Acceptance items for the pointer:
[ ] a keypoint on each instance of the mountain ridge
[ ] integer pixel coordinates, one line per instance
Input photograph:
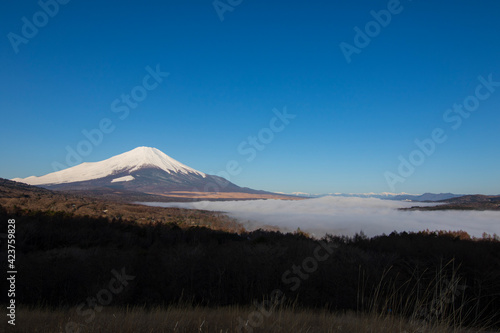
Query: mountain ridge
(426, 197)
(145, 170)
(130, 161)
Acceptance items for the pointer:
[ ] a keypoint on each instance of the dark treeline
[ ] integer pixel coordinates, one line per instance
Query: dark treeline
(62, 260)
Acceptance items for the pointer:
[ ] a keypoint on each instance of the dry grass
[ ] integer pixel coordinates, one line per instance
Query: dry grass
(441, 306)
(185, 319)
(226, 195)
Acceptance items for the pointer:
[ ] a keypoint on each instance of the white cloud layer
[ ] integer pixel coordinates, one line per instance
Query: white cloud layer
(346, 216)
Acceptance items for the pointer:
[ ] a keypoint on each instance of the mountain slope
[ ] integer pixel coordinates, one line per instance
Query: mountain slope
(134, 160)
(21, 199)
(466, 202)
(144, 170)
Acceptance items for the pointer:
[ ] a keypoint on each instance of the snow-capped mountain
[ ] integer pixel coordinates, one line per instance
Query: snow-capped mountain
(387, 196)
(142, 169)
(402, 196)
(134, 160)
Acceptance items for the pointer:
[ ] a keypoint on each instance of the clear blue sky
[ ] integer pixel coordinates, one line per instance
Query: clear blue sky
(353, 120)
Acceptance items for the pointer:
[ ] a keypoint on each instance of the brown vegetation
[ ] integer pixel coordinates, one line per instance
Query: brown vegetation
(22, 198)
(64, 259)
(466, 202)
(197, 278)
(221, 319)
(228, 195)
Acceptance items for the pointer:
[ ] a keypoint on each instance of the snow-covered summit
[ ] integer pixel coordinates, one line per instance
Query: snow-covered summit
(136, 159)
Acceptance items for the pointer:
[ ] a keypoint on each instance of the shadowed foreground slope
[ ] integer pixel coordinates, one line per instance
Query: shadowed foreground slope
(64, 260)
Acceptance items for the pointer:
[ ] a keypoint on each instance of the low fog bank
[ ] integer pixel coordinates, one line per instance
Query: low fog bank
(346, 216)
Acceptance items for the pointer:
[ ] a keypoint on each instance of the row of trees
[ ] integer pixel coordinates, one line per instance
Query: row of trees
(64, 259)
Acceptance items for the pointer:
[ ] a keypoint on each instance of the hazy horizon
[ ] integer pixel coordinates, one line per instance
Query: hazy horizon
(346, 216)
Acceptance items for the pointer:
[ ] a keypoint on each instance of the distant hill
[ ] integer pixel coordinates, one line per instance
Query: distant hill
(466, 202)
(19, 198)
(476, 198)
(389, 196)
(426, 197)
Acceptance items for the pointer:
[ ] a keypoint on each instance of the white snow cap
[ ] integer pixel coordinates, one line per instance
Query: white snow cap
(123, 179)
(130, 161)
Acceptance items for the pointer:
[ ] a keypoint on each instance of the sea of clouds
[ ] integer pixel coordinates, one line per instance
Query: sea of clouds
(346, 216)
